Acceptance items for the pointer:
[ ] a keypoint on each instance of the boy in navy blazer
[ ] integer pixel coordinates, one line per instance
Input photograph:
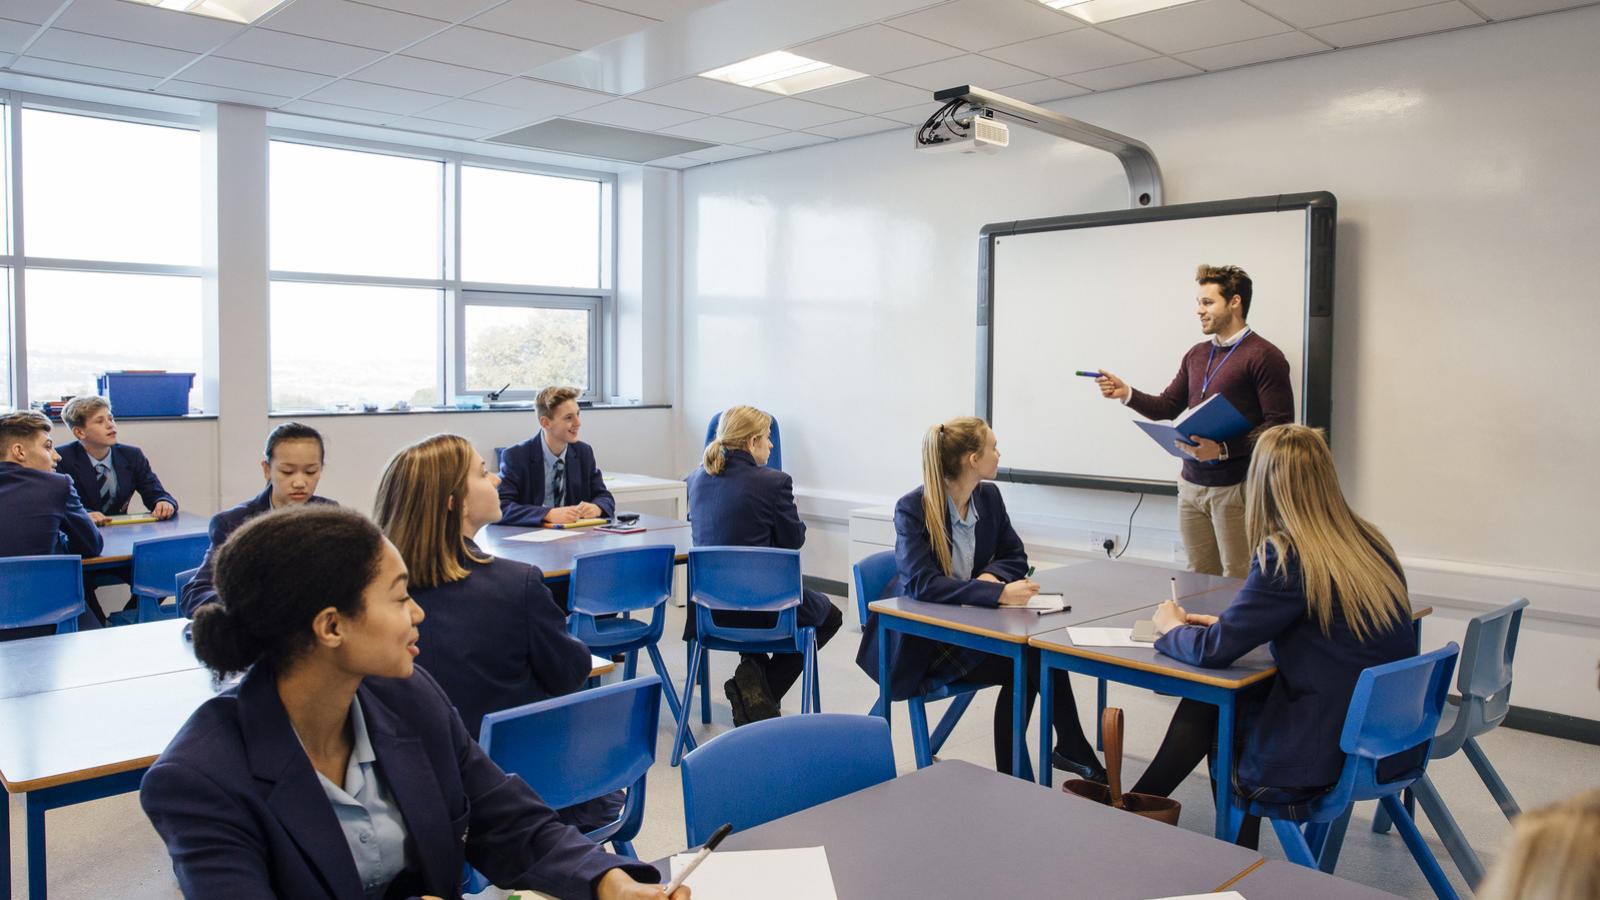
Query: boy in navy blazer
(42, 512)
(105, 472)
(551, 478)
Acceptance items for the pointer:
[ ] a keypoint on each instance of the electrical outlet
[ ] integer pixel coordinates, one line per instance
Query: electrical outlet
(1097, 541)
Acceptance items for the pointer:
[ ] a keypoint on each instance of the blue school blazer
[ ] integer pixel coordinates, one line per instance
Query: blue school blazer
(997, 551)
(202, 588)
(243, 815)
(522, 482)
(1292, 739)
(496, 639)
(43, 515)
(133, 474)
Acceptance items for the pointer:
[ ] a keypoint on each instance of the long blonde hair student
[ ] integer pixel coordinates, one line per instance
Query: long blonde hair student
(738, 426)
(415, 509)
(945, 449)
(1554, 854)
(1294, 505)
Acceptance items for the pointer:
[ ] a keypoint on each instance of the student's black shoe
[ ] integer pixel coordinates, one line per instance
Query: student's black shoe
(754, 690)
(1087, 771)
(741, 716)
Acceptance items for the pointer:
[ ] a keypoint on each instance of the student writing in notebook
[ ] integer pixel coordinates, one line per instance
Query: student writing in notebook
(292, 466)
(551, 478)
(105, 471)
(337, 769)
(1253, 375)
(954, 544)
(1327, 595)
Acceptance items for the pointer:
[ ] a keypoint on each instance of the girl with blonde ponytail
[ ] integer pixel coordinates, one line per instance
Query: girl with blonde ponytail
(954, 544)
(736, 500)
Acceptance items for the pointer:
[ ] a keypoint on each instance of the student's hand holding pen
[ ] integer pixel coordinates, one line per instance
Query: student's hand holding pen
(1018, 593)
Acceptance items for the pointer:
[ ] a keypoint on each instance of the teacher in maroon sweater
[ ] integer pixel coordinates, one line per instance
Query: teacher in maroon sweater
(1253, 374)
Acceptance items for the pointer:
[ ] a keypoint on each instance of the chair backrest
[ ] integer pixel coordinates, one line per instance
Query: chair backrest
(872, 577)
(41, 590)
(157, 561)
(771, 768)
(182, 579)
(582, 746)
(746, 579)
(775, 461)
(1485, 680)
(619, 581)
(1395, 707)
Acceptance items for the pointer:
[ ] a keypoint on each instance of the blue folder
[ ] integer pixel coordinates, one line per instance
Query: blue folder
(1215, 420)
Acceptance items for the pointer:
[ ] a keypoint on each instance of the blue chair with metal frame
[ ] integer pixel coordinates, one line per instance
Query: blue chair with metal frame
(745, 579)
(156, 564)
(1395, 707)
(775, 767)
(41, 590)
(873, 576)
(615, 583)
(775, 461)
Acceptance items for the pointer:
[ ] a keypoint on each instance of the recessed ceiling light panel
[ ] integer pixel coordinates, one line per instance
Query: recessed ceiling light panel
(241, 11)
(782, 72)
(1096, 11)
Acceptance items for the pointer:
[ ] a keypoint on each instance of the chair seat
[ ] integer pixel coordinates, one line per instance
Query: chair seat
(788, 645)
(617, 632)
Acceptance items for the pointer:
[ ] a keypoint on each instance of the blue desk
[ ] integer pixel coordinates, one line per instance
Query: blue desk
(118, 540)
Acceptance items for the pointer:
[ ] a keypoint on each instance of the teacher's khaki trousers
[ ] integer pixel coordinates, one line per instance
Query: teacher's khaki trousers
(1211, 520)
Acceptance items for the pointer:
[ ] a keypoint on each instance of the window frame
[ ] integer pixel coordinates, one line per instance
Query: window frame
(593, 304)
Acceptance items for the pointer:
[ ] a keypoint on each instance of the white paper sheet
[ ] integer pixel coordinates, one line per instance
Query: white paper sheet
(1048, 602)
(1103, 637)
(1220, 895)
(540, 535)
(798, 874)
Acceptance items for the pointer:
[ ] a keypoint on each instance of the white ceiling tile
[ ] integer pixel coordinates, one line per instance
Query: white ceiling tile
(217, 94)
(981, 24)
(1409, 22)
(87, 74)
(1074, 51)
(1043, 91)
(869, 95)
(380, 97)
(480, 115)
(569, 23)
(791, 113)
(291, 51)
(876, 49)
(704, 95)
(5, 60)
(14, 34)
(552, 99)
(634, 114)
(787, 141)
(1511, 9)
(338, 113)
(351, 23)
(249, 76)
(913, 115)
(718, 154)
(1129, 74)
(1194, 25)
(105, 53)
(665, 10)
(1244, 53)
(145, 24)
(722, 130)
(448, 10)
(490, 50)
(853, 127)
(1305, 13)
(427, 75)
(431, 126)
(34, 11)
(676, 162)
(979, 71)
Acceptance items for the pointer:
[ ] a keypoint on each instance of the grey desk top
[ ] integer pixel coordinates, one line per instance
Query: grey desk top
(554, 558)
(1279, 880)
(62, 661)
(958, 830)
(119, 539)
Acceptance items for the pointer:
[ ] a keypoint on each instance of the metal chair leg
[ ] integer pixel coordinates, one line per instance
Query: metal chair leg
(1491, 778)
(1461, 852)
(947, 722)
(695, 657)
(1328, 854)
(1294, 843)
(918, 709)
(1419, 849)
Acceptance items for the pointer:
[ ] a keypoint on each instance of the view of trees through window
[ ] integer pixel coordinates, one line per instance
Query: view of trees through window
(526, 348)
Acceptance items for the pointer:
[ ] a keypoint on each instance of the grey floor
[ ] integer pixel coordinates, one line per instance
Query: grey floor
(107, 848)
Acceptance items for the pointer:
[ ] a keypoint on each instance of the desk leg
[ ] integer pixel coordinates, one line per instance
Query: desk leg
(1019, 721)
(5, 847)
(36, 857)
(1046, 725)
(883, 669)
(1229, 818)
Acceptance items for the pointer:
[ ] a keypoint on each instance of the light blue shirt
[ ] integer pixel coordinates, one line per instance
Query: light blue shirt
(963, 538)
(550, 469)
(111, 475)
(372, 824)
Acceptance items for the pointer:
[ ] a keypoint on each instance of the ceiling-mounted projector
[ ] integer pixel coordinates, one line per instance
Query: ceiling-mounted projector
(975, 132)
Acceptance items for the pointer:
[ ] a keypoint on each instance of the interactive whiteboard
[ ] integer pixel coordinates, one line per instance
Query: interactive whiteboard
(1116, 290)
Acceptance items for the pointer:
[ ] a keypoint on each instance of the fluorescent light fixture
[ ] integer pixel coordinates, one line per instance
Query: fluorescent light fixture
(782, 72)
(241, 11)
(1097, 11)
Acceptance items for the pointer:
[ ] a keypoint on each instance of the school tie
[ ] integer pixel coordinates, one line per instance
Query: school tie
(102, 476)
(559, 489)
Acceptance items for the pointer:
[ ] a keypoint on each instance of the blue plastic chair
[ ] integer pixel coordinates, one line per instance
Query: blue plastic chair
(156, 564)
(872, 577)
(1484, 683)
(769, 769)
(775, 461)
(182, 579)
(615, 583)
(41, 590)
(1395, 707)
(745, 579)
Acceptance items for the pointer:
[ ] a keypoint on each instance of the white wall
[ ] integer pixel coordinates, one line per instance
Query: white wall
(835, 286)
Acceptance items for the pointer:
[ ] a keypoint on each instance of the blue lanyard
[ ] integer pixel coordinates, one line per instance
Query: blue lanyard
(1210, 355)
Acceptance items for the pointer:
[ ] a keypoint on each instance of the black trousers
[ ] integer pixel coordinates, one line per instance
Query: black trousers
(1070, 741)
(1190, 738)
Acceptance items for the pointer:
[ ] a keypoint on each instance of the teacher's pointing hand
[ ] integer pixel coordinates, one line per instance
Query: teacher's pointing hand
(1113, 387)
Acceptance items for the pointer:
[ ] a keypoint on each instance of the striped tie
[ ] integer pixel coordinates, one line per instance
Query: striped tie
(560, 487)
(102, 477)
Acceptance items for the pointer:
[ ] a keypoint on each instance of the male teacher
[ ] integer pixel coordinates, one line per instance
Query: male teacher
(1253, 375)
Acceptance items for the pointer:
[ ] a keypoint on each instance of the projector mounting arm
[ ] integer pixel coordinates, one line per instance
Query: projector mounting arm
(1144, 174)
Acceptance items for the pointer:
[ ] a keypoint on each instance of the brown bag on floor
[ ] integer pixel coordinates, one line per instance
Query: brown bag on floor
(1162, 809)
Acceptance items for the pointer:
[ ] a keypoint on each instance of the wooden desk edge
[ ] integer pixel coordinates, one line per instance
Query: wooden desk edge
(1153, 667)
(50, 781)
(1235, 879)
(953, 626)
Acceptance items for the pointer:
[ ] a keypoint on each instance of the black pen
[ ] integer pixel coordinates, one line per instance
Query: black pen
(1046, 612)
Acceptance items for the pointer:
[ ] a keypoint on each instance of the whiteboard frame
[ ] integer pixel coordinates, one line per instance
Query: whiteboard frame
(1316, 394)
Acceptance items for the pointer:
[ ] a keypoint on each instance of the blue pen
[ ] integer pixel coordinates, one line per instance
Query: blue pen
(1082, 374)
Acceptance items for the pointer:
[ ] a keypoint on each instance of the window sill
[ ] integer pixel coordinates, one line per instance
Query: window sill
(431, 411)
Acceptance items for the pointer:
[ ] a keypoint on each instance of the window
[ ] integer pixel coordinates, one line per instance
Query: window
(353, 344)
(511, 344)
(83, 323)
(519, 228)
